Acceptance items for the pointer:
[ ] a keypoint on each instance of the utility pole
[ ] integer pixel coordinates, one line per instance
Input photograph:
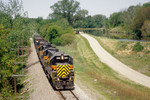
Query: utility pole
(22, 49)
(18, 51)
(15, 86)
(15, 63)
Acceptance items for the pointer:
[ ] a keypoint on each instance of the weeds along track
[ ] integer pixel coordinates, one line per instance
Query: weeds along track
(67, 95)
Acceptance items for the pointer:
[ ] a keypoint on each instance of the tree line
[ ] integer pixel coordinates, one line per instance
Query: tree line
(133, 22)
(15, 30)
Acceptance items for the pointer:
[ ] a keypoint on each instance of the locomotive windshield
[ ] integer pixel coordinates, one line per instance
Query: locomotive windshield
(58, 60)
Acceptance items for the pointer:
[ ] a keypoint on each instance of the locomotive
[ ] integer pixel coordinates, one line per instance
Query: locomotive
(57, 65)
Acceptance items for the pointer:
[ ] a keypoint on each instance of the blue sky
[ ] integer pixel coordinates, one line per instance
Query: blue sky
(41, 8)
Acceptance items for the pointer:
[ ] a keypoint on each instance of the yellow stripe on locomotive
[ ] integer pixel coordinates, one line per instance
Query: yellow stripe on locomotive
(63, 70)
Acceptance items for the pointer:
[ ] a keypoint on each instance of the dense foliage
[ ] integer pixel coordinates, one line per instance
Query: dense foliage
(138, 47)
(134, 21)
(146, 29)
(55, 32)
(15, 30)
(66, 9)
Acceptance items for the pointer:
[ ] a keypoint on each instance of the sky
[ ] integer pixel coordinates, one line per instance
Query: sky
(41, 8)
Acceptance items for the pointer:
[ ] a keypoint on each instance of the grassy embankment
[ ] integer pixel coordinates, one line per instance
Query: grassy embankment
(134, 54)
(99, 77)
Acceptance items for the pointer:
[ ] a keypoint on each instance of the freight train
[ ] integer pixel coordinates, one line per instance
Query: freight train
(57, 65)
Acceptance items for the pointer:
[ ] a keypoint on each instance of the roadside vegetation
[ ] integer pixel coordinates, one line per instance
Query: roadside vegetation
(15, 31)
(58, 32)
(97, 76)
(132, 53)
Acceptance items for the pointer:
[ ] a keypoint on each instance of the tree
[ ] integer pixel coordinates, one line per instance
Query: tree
(81, 14)
(13, 28)
(146, 29)
(115, 19)
(14, 9)
(80, 18)
(99, 20)
(53, 32)
(141, 16)
(146, 4)
(128, 16)
(66, 9)
(5, 20)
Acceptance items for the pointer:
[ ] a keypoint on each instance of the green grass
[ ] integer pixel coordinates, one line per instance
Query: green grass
(99, 77)
(138, 58)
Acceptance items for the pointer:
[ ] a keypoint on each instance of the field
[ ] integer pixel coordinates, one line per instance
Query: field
(99, 78)
(134, 54)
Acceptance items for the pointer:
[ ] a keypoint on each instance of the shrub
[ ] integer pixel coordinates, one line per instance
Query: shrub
(121, 45)
(57, 41)
(146, 29)
(53, 31)
(67, 38)
(137, 47)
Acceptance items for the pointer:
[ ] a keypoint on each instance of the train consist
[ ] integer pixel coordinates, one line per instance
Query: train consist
(57, 65)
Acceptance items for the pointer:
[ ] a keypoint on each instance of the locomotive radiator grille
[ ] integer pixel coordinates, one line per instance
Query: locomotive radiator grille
(63, 70)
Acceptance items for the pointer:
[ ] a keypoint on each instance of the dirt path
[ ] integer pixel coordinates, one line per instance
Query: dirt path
(115, 64)
(39, 84)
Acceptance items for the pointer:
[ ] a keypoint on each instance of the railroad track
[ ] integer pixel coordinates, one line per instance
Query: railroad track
(68, 95)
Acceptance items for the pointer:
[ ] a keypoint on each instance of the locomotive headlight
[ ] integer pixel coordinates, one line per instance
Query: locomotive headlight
(62, 57)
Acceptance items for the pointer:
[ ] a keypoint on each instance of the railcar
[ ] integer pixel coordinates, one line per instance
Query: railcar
(46, 55)
(37, 39)
(42, 48)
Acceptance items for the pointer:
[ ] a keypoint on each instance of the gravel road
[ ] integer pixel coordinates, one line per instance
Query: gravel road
(39, 84)
(115, 64)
